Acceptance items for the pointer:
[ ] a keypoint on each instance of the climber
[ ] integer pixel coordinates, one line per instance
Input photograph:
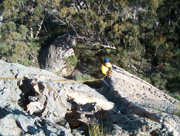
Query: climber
(106, 68)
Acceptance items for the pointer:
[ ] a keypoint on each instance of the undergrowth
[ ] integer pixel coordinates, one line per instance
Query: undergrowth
(96, 130)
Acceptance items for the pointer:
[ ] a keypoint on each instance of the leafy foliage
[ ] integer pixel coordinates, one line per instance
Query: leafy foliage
(96, 130)
(141, 36)
(71, 62)
(83, 77)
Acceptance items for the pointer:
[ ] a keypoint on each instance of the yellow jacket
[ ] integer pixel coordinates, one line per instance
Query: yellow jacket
(105, 69)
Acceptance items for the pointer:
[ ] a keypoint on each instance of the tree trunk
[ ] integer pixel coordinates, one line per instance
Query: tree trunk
(31, 32)
(40, 26)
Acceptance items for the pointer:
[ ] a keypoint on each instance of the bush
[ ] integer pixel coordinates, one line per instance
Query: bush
(84, 77)
(95, 130)
(176, 95)
(158, 80)
(71, 62)
(14, 46)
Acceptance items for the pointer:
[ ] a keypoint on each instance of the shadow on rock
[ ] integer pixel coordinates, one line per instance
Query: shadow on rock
(30, 94)
(123, 104)
(80, 116)
(27, 90)
(5, 111)
(129, 117)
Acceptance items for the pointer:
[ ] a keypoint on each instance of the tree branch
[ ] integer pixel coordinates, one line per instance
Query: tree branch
(40, 26)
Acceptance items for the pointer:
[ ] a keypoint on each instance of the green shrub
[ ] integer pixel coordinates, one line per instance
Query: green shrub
(95, 130)
(84, 77)
(158, 80)
(15, 47)
(176, 95)
(71, 62)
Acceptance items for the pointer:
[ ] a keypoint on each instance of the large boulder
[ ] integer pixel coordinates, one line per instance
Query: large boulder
(17, 115)
(40, 103)
(52, 58)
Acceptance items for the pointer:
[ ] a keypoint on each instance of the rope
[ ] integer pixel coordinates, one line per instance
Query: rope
(70, 81)
(12, 78)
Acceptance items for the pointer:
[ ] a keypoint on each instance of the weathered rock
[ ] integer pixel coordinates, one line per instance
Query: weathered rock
(52, 57)
(134, 96)
(39, 105)
(34, 107)
(48, 100)
(8, 126)
(17, 122)
(83, 94)
(47, 97)
(13, 94)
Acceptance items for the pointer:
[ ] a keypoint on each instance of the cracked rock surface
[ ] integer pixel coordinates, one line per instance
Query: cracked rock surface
(134, 96)
(40, 106)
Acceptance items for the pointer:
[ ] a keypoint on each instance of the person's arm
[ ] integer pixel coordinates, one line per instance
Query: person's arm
(109, 72)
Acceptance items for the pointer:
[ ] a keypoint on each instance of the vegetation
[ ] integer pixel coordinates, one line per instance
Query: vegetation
(96, 130)
(142, 37)
(83, 77)
(71, 62)
(177, 96)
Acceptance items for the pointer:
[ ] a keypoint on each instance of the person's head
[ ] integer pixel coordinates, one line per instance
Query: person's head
(106, 60)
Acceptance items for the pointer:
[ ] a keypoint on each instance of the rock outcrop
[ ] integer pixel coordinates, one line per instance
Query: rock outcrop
(46, 104)
(17, 111)
(134, 96)
(39, 106)
(52, 58)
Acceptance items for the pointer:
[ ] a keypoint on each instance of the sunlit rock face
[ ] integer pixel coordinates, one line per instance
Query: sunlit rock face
(39, 105)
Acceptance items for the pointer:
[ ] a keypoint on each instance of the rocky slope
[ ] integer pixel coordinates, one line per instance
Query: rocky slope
(44, 104)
